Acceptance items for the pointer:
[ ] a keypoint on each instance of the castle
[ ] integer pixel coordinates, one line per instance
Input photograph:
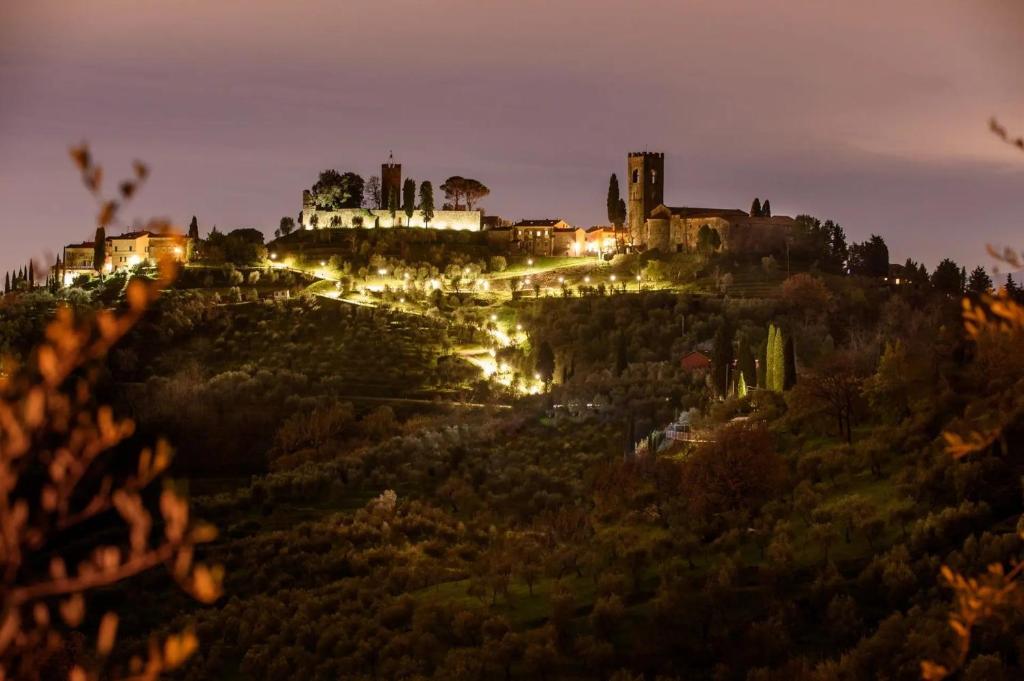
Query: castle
(391, 186)
(653, 225)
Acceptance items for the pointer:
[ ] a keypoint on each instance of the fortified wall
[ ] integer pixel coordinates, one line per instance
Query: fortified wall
(460, 220)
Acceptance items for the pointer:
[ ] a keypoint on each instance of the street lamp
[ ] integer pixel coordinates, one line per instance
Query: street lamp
(529, 262)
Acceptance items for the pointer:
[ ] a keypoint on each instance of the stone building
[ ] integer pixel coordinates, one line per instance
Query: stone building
(653, 225)
(125, 250)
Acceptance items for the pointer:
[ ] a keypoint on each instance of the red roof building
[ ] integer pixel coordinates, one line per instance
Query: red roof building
(695, 361)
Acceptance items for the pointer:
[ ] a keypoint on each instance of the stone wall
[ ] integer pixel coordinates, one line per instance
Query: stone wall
(462, 220)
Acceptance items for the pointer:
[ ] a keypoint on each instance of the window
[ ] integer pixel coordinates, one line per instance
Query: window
(636, 175)
(654, 176)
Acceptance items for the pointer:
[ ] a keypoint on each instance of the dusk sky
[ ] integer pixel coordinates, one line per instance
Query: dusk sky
(871, 113)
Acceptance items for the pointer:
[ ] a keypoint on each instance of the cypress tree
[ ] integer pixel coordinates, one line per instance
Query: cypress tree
(741, 386)
(7, 282)
(755, 208)
(789, 357)
(766, 209)
(613, 200)
(99, 249)
(31, 273)
(722, 359)
(193, 229)
(393, 202)
(779, 362)
(427, 202)
(408, 199)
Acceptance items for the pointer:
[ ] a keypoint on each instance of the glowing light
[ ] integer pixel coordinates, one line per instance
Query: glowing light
(586, 279)
(530, 262)
(382, 272)
(177, 251)
(487, 285)
(406, 276)
(494, 317)
(638, 277)
(273, 256)
(401, 300)
(561, 280)
(536, 377)
(576, 248)
(519, 327)
(134, 259)
(613, 277)
(323, 263)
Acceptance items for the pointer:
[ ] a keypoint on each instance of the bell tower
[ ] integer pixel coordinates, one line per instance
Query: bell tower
(645, 173)
(390, 181)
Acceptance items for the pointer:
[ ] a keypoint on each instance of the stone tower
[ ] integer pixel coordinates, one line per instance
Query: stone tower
(645, 175)
(390, 180)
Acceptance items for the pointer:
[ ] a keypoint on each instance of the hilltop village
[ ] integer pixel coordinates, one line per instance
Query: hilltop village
(642, 222)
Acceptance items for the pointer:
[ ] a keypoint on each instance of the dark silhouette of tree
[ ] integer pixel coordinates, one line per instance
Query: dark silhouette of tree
(287, 225)
(474, 190)
(946, 278)
(393, 202)
(979, 281)
(870, 258)
(99, 249)
(408, 199)
(766, 209)
(789, 363)
(31, 274)
(458, 188)
(7, 282)
(427, 201)
(193, 229)
(615, 204)
(453, 189)
(1012, 289)
(755, 208)
(722, 356)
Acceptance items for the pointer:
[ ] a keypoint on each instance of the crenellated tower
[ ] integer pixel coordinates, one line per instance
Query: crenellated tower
(645, 175)
(390, 181)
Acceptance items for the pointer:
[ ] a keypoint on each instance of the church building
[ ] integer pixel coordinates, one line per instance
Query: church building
(654, 225)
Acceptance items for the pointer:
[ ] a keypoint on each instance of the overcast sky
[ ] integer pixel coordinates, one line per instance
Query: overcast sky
(871, 113)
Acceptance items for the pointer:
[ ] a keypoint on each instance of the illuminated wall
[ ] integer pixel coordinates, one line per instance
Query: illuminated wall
(462, 220)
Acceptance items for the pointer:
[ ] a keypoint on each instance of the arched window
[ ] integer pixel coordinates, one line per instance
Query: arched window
(636, 175)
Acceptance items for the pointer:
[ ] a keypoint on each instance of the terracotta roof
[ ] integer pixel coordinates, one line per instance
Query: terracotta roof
(690, 212)
(84, 244)
(695, 360)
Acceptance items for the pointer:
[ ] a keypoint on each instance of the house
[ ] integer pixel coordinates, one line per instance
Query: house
(695, 361)
(125, 250)
(538, 237)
